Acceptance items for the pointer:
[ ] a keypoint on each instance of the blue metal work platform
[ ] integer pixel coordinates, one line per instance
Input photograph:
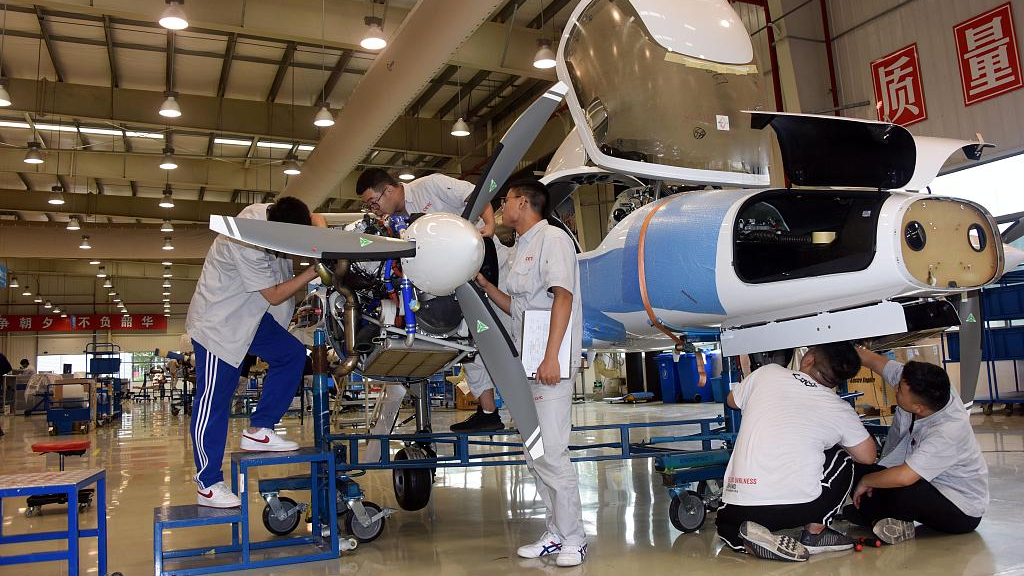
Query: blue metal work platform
(69, 484)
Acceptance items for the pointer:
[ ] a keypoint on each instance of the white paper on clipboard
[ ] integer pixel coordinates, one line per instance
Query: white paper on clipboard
(536, 327)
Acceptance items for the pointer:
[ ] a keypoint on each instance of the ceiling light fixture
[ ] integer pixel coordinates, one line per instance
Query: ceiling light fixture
(167, 272)
(166, 226)
(74, 224)
(111, 293)
(56, 309)
(373, 39)
(102, 272)
(168, 162)
(323, 117)
(94, 262)
(167, 284)
(170, 107)
(56, 195)
(14, 282)
(5, 98)
(26, 292)
(406, 174)
(166, 293)
(167, 200)
(166, 299)
(167, 244)
(85, 243)
(34, 154)
(167, 262)
(107, 283)
(117, 298)
(460, 128)
(48, 305)
(291, 166)
(173, 17)
(545, 57)
(38, 298)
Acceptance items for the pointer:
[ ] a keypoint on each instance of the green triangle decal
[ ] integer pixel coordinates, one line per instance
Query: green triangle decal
(970, 318)
(363, 242)
(492, 186)
(480, 327)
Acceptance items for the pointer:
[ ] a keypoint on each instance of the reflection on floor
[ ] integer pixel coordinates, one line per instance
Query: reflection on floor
(479, 515)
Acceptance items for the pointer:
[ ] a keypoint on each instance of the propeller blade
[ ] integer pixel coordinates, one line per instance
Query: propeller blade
(311, 241)
(969, 310)
(511, 150)
(503, 364)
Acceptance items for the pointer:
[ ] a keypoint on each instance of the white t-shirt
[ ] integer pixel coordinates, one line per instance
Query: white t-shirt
(941, 449)
(227, 306)
(789, 421)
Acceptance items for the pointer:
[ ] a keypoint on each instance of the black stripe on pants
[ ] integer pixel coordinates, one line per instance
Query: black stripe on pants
(920, 502)
(836, 483)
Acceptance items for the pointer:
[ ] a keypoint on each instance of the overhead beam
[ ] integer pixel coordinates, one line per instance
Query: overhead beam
(111, 58)
(336, 72)
(490, 98)
(49, 44)
(282, 69)
(435, 85)
(225, 68)
(464, 92)
(116, 206)
(109, 241)
(548, 13)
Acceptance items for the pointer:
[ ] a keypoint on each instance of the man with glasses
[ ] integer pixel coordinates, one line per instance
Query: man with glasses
(931, 470)
(383, 195)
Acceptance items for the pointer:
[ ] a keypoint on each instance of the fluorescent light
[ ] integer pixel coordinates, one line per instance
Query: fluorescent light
(306, 147)
(85, 243)
(145, 135)
(323, 117)
(167, 244)
(460, 128)
(173, 17)
(545, 57)
(166, 226)
(34, 154)
(280, 145)
(170, 107)
(57, 127)
(373, 39)
(74, 224)
(232, 142)
(9, 124)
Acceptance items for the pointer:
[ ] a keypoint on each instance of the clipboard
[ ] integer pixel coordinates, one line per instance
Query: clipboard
(536, 327)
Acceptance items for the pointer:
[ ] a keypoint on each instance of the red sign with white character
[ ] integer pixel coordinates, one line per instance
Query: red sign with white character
(898, 88)
(83, 323)
(989, 60)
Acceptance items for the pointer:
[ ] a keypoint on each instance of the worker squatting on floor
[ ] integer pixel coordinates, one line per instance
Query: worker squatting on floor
(801, 451)
(383, 195)
(243, 303)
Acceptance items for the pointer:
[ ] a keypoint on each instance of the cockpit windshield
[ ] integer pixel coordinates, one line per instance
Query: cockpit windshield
(654, 111)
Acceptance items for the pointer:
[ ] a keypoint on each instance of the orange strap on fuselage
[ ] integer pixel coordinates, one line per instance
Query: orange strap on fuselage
(701, 371)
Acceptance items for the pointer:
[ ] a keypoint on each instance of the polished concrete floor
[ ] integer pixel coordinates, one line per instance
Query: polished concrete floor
(478, 516)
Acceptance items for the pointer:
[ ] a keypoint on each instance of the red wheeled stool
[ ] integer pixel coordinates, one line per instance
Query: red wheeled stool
(62, 449)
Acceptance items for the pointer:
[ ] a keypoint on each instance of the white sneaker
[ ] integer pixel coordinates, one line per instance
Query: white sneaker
(218, 496)
(571, 555)
(548, 544)
(265, 440)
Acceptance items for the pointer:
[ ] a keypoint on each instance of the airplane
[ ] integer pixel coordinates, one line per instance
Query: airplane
(847, 250)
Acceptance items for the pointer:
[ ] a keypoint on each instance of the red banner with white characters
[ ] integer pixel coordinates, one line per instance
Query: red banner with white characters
(898, 89)
(986, 47)
(82, 323)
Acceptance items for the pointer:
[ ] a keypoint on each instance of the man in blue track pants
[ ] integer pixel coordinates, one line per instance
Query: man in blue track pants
(243, 302)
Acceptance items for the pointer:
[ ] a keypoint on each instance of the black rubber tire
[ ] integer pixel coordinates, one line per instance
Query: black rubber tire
(364, 534)
(281, 527)
(687, 513)
(412, 485)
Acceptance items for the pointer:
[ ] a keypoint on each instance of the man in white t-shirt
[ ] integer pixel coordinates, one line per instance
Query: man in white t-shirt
(383, 195)
(932, 470)
(792, 465)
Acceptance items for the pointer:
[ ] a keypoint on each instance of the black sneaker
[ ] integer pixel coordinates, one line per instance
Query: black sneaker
(828, 540)
(762, 543)
(893, 531)
(480, 422)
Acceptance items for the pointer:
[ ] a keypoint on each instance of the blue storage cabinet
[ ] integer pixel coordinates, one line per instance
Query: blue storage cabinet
(679, 379)
(668, 378)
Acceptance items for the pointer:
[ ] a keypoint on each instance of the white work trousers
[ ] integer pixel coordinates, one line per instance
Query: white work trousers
(477, 377)
(555, 474)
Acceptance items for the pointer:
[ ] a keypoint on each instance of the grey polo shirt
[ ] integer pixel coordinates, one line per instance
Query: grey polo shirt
(941, 449)
(227, 306)
(541, 259)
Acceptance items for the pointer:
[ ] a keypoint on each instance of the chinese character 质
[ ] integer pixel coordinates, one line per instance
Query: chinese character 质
(897, 84)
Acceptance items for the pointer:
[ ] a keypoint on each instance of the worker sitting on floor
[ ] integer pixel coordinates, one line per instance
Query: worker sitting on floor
(383, 195)
(931, 470)
(242, 304)
(792, 465)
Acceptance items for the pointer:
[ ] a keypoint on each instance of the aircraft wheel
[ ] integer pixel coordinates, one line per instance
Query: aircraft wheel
(412, 485)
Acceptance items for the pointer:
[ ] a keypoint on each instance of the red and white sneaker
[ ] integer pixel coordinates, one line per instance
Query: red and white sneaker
(218, 496)
(265, 440)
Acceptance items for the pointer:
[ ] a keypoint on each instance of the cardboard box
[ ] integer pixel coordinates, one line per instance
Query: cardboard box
(878, 396)
(464, 399)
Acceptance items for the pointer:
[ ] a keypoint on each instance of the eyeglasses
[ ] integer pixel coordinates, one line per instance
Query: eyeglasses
(374, 204)
(506, 199)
